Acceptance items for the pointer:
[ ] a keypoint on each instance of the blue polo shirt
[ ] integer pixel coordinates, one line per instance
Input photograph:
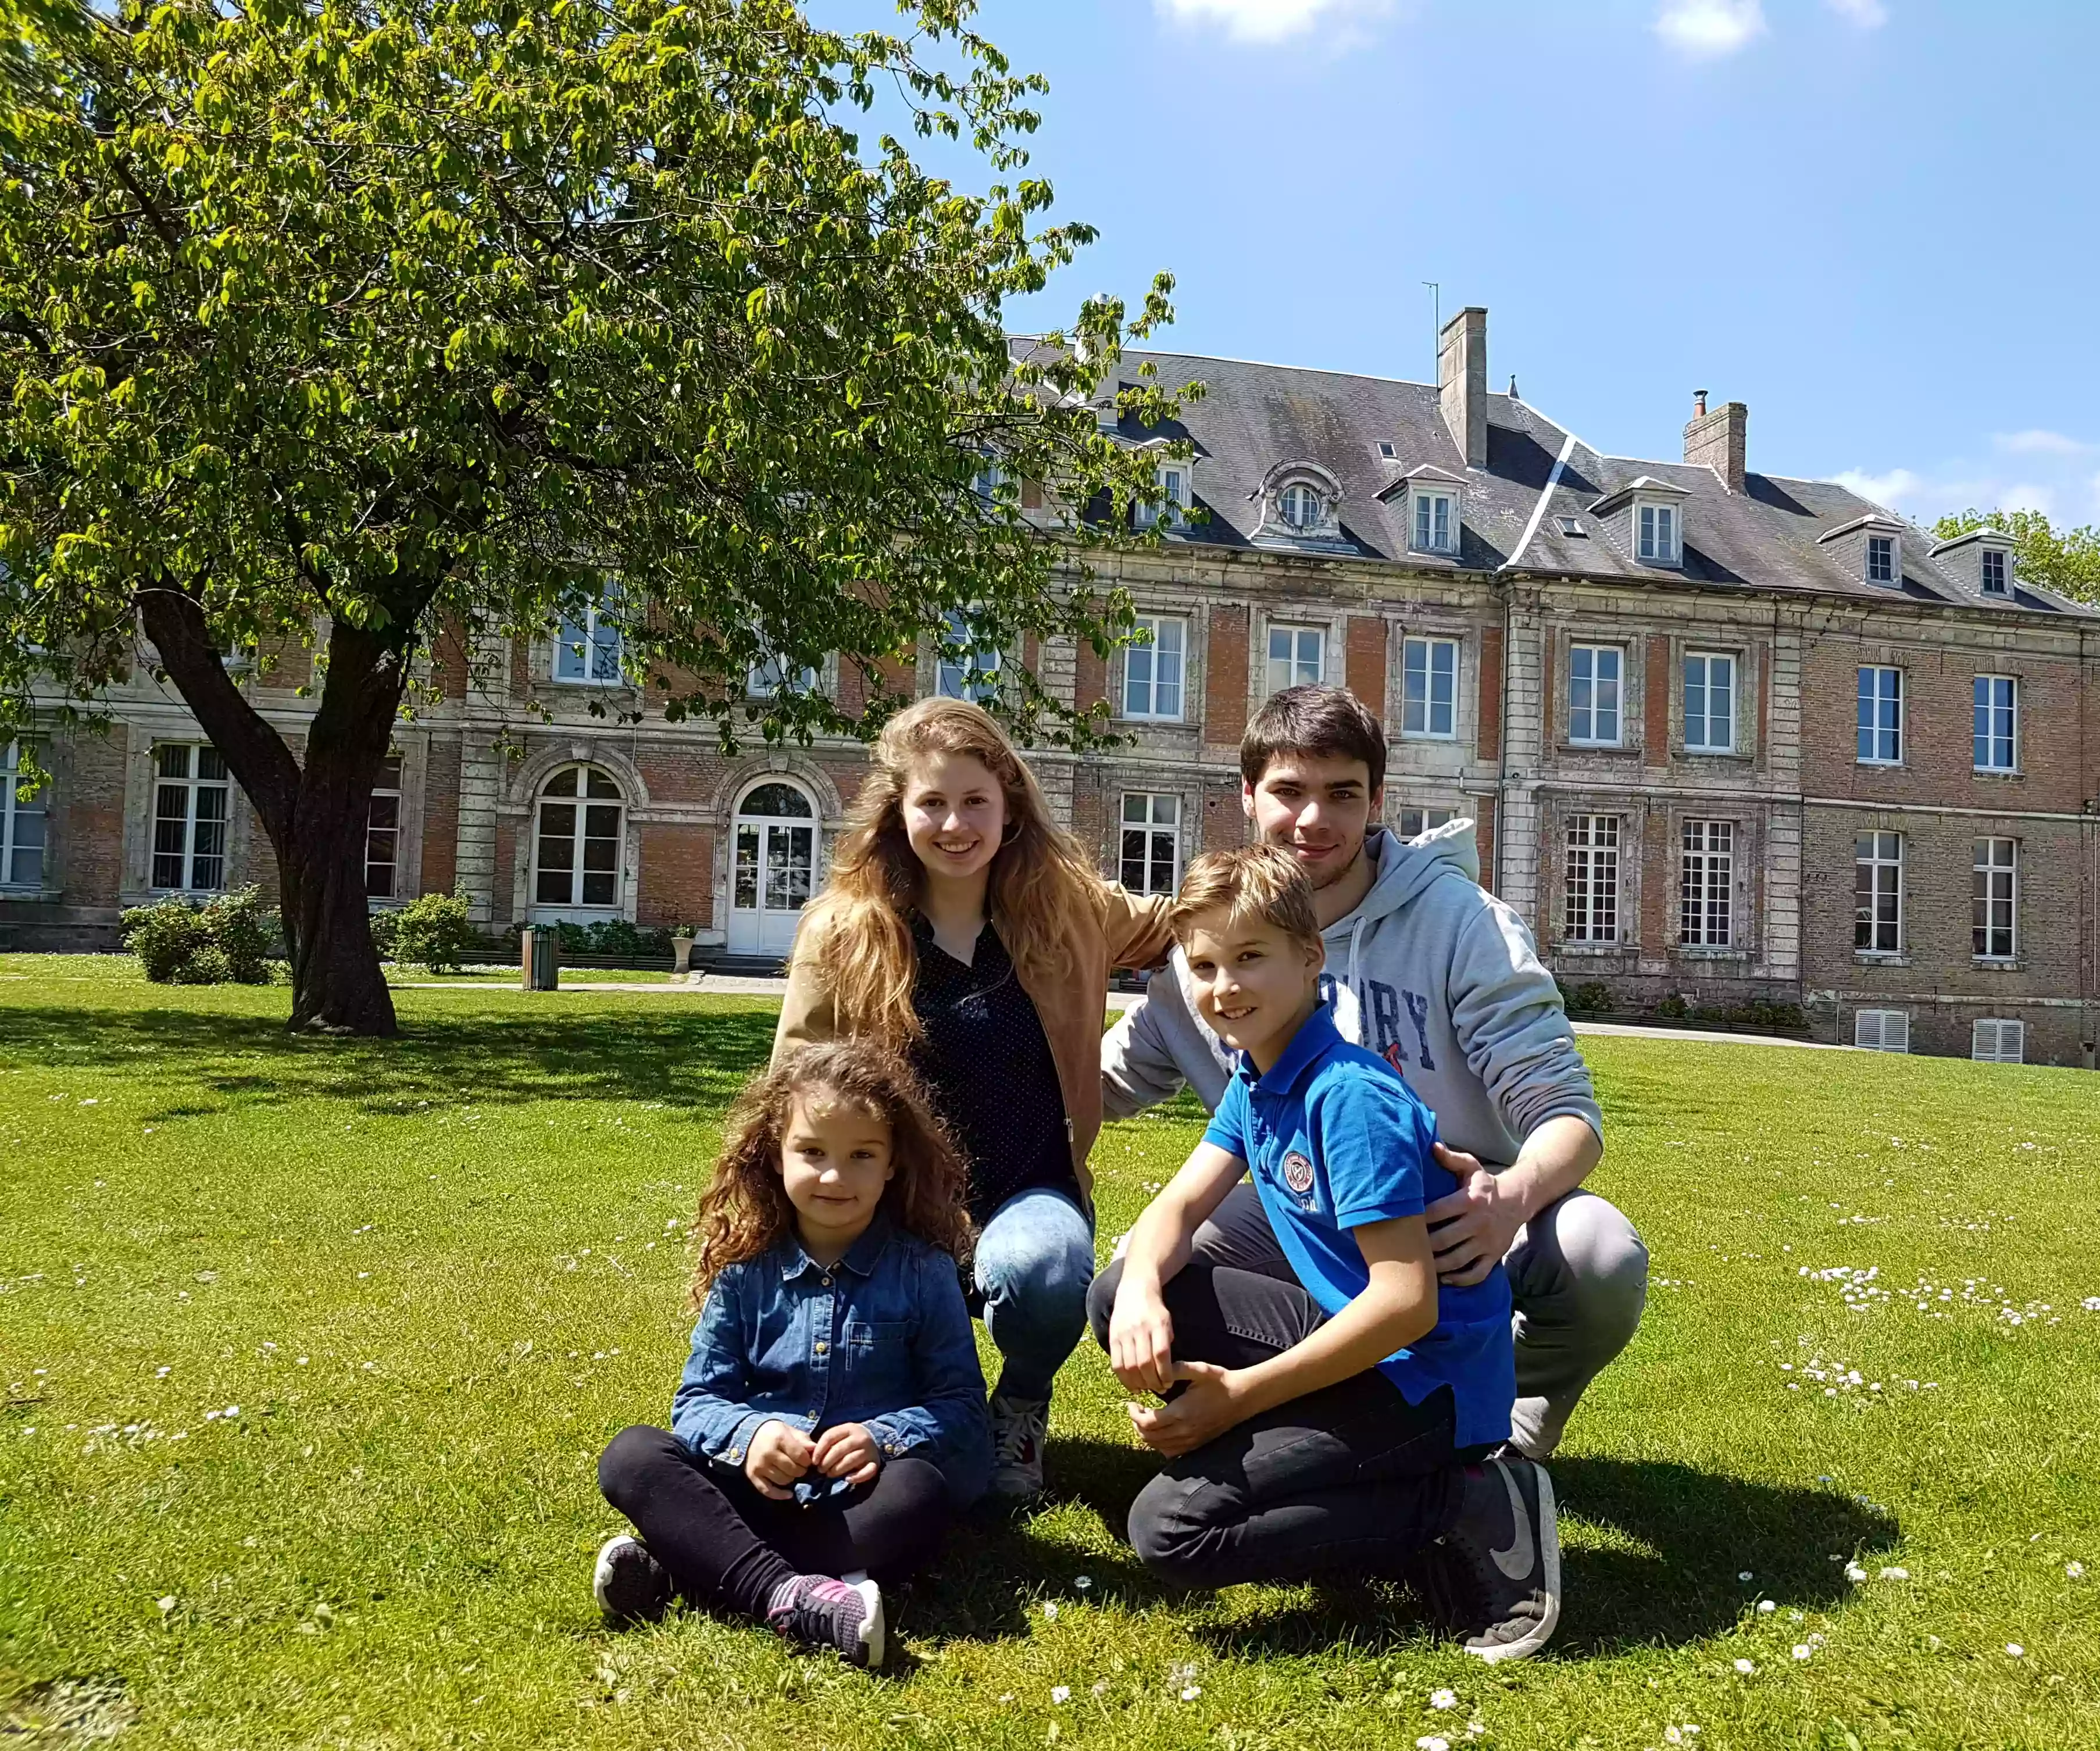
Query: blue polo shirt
(1336, 1140)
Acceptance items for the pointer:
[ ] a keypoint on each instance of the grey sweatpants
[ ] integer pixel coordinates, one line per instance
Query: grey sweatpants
(1578, 1281)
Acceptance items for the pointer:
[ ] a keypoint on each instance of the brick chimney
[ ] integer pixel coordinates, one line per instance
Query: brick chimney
(1461, 382)
(1718, 440)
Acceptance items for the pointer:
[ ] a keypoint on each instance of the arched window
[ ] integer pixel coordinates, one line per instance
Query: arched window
(1300, 506)
(578, 841)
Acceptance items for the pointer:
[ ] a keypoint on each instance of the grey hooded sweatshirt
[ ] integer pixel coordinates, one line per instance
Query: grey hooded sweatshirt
(1433, 973)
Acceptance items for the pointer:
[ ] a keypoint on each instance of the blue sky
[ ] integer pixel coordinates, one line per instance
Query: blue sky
(1872, 220)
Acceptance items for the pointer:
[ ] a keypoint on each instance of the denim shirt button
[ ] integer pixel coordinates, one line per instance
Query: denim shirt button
(822, 1346)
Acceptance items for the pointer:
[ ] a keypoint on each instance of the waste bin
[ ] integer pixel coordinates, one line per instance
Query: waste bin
(540, 952)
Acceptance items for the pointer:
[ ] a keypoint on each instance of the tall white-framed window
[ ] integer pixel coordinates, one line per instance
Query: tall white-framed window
(1656, 532)
(1412, 823)
(1429, 688)
(1880, 717)
(587, 652)
(1435, 521)
(770, 674)
(1997, 724)
(1592, 913)
(1997, 572)
(971, 672)
(21, 825)
(382, 832)
(1594, 677)
(577, 840)
(1998, 1039)
(1297, 656)
(1177, 493)
(1151, 848)
(1706, 885)
(1877, 893)
(1994, 909)
(1880, 559)
(1709, 701)
(1152, 671)
(1301, 505)
(192, 799)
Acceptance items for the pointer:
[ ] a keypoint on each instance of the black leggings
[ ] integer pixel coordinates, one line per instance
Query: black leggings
(728, 1546)
(1350, 1479)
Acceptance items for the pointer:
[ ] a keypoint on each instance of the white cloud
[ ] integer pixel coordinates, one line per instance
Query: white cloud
(1891, 489)
(2036, 442)
(1869, 15)
(1271, 20)
(1707, 29)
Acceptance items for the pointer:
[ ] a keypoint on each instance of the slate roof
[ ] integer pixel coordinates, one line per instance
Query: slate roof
(1254, 416)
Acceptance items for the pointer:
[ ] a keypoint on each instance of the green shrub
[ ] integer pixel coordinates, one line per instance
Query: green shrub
(1674, 1006)
(612, 936)
(226, 942)
(431, 932)
(1590, 998)
(385, 928)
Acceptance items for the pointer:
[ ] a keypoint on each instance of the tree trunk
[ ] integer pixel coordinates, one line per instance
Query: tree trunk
(316, 816)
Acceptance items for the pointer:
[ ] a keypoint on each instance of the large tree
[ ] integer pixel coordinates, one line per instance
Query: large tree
(2067, 561)
(361, 322)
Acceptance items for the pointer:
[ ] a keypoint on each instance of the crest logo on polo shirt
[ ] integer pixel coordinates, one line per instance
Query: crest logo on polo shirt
(1298, 1173)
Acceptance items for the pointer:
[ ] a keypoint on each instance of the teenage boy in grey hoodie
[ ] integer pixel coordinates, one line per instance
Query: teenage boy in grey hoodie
(1442, 980)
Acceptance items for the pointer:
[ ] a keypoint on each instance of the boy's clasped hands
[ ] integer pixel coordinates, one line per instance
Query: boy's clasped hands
(1141, 1352)
(781, 1456)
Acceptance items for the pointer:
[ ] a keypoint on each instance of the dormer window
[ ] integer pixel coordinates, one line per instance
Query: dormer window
(1435, 521)
(1301, 505)
(1880, 559)
(1997, 573)
(1177, 495)
(1658, 544)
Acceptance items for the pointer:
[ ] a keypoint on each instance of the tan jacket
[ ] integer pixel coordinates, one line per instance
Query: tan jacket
(1127, 932)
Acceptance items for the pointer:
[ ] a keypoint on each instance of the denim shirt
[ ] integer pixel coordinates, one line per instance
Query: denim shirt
(882, 1338)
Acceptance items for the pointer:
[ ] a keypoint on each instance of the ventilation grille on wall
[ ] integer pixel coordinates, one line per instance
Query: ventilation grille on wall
(1995, 1041)
(1882, 1029)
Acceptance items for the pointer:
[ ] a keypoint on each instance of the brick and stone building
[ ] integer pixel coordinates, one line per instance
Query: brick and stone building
(1728, 735)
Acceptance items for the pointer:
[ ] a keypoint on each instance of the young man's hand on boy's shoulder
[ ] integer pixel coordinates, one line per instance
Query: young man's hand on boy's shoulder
(780, 1455)
(849, 1450)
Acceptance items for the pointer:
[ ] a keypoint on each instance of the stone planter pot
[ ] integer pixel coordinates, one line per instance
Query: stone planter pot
(681, 950)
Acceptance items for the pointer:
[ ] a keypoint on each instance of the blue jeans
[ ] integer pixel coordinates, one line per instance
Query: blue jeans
(1035, 1263)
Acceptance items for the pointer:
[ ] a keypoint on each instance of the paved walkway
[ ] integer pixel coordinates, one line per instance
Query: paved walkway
(731, 985)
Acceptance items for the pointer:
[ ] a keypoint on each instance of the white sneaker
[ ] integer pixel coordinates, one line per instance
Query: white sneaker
(1019, 1426)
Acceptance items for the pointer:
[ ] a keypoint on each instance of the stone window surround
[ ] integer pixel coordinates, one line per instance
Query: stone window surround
(1746, 909)
(1194, 624)
(1632, 688)
(1750, 657)
(1436, 489)
(1674, 559)
(1465, 708)
(1116, 786)
(1553, 876)
(1332, 618)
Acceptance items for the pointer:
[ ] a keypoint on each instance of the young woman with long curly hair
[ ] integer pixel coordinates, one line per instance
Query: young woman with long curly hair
(831, 1418)
(960, 924)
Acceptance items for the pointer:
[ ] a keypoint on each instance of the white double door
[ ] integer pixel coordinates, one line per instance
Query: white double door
(774, 868)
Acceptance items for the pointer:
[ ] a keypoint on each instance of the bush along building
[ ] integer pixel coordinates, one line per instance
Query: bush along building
(1734, 742)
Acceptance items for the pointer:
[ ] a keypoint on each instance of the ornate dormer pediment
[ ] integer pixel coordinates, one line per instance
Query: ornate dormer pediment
(1300, 507)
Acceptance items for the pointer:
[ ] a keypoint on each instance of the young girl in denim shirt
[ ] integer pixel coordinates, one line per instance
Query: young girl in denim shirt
(832, 1419)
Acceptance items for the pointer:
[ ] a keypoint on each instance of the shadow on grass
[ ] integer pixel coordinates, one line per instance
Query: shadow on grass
(1677, 1537)
(692, 1057)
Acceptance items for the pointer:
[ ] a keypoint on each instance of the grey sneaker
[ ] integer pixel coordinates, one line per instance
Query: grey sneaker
(1019, 1426)
(818, 1611)
(1494, 1578)
(630, 1586)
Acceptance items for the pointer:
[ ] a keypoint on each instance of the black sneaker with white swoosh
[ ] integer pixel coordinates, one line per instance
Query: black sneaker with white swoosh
(1494, 1578)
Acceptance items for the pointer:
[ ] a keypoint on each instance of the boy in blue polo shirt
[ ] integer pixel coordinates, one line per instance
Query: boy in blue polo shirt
(1333, 1409)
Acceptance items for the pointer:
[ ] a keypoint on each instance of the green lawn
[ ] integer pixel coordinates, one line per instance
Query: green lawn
(434, 1276)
